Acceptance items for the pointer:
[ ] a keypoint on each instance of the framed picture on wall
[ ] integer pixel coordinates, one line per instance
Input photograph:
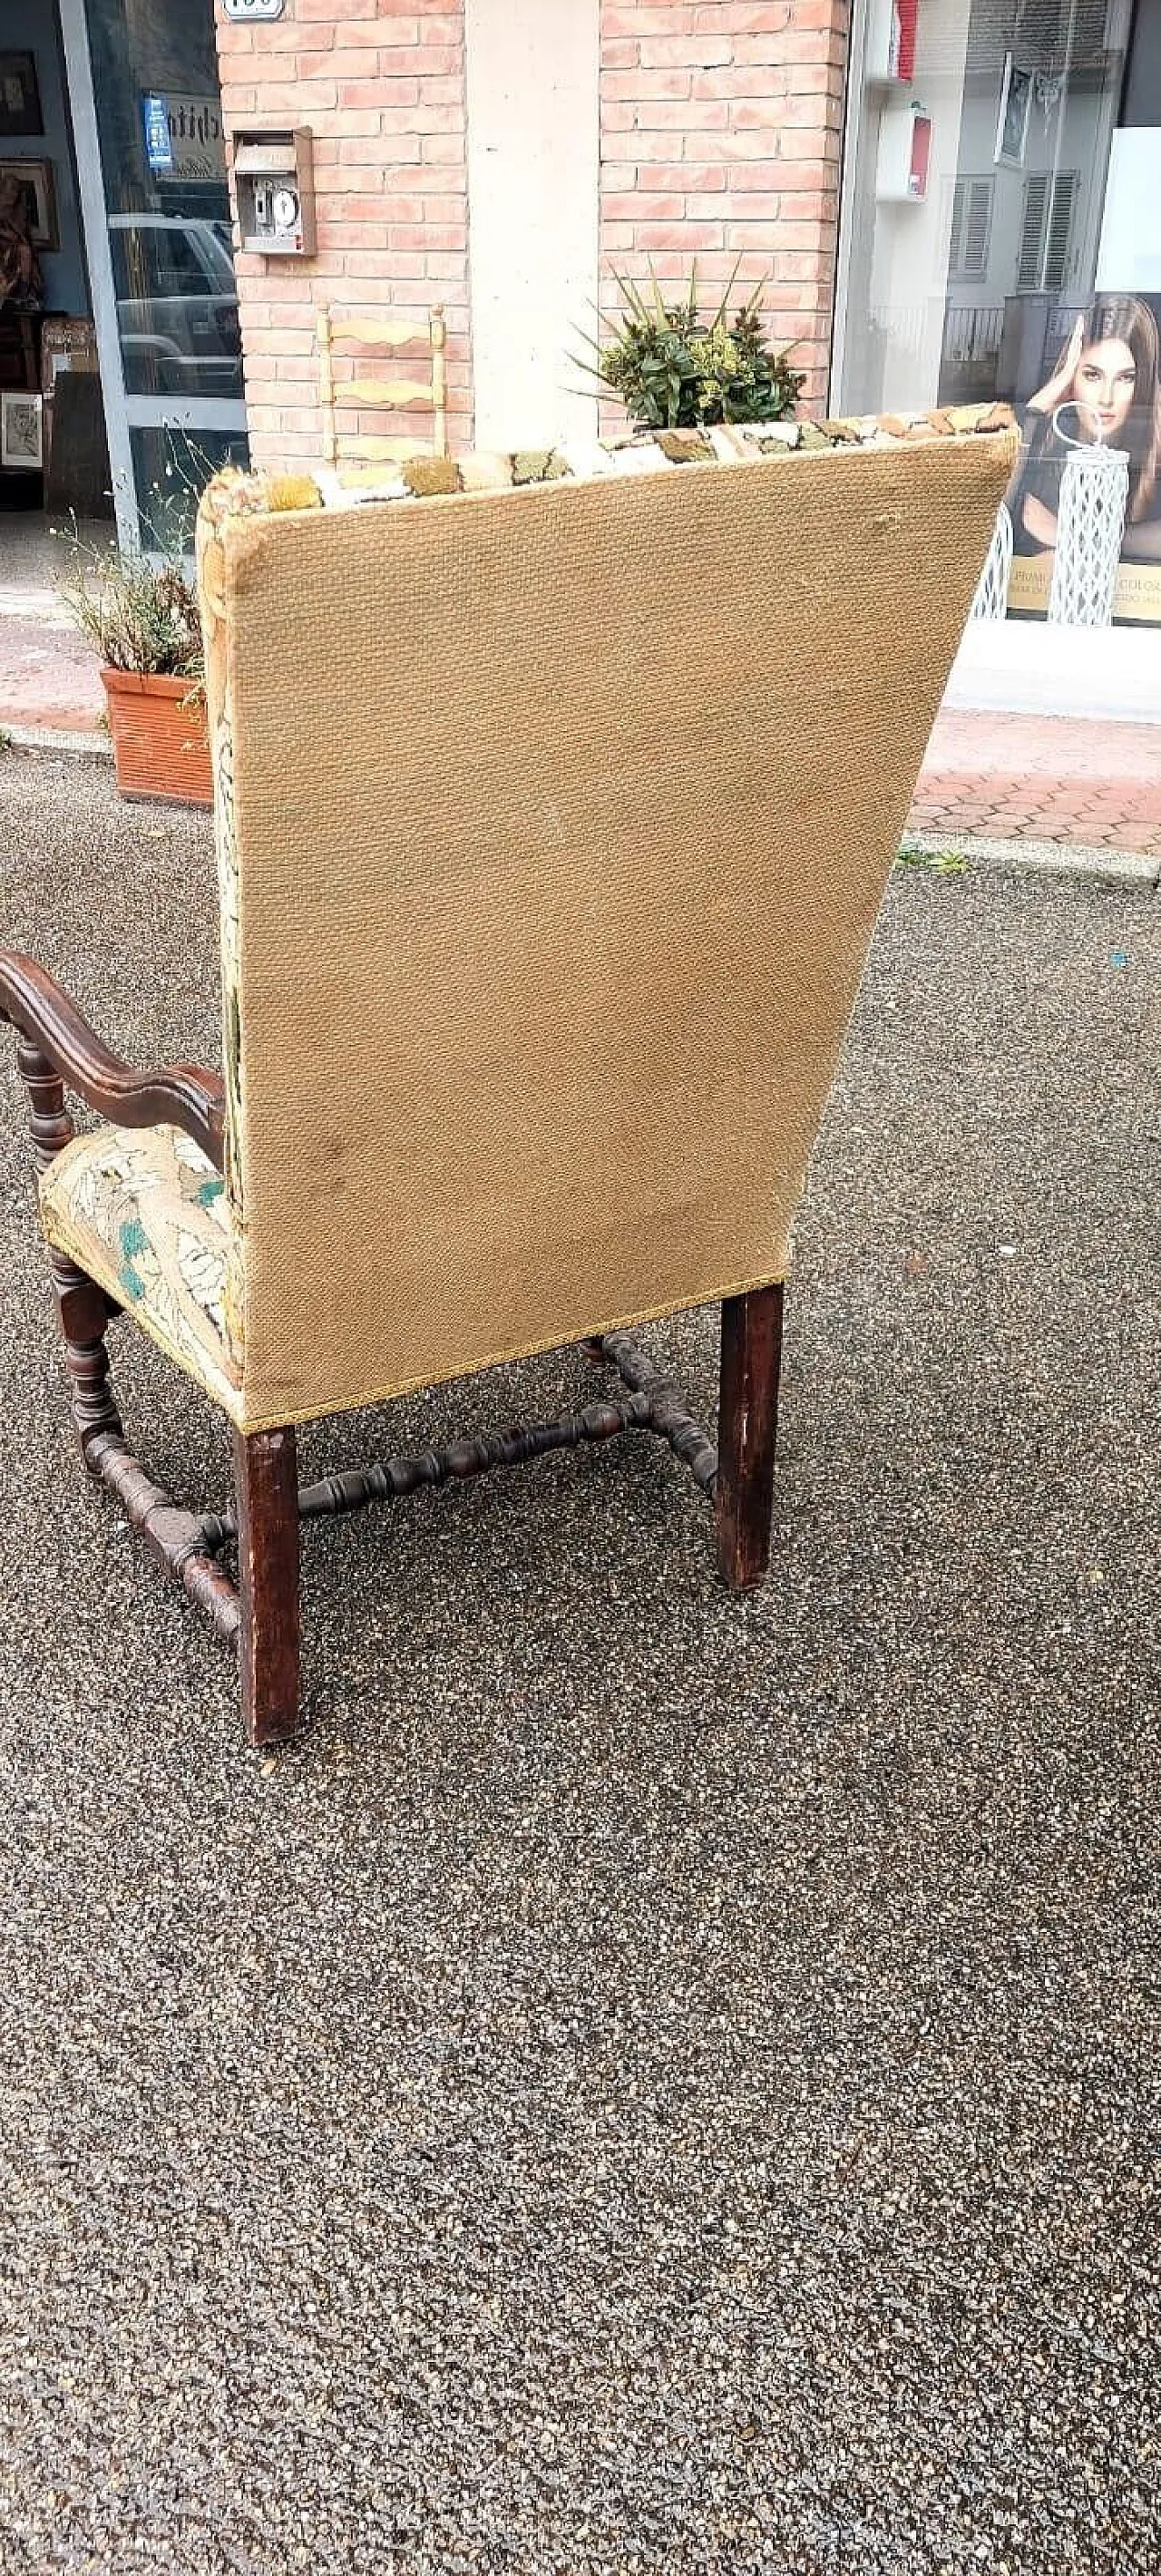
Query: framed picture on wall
(33, 180)
(1015, 109)
(20, 111)
(21, 428)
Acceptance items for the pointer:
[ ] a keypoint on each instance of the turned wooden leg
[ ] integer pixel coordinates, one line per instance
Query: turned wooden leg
(84, 1311)
(83, 1308)
(266, 1488)
(747, 1429)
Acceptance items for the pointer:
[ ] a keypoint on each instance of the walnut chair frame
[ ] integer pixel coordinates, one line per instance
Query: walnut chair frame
(55, 1050)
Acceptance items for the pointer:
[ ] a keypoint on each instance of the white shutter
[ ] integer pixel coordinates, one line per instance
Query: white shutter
(1032, 230)
(1046, 230)
(1059, 230)
(971, 219)
(977, 223)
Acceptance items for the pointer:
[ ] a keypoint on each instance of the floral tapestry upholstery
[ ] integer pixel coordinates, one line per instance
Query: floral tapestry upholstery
(143, 1211)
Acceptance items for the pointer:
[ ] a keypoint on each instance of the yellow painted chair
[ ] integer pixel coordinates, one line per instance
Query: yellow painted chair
(358, 455)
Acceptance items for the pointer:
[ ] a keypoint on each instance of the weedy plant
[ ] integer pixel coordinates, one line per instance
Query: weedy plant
(674, 370)
(940, 863)
(140, 612)
(140, 609)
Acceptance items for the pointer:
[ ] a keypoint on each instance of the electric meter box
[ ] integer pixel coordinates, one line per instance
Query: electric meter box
(892, 35)
(274, 181)
(904, 155)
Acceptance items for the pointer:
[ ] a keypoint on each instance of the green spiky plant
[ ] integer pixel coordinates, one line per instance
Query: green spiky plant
(671, 370)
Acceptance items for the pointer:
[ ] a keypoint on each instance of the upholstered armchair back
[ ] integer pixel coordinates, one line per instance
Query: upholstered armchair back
(553, 825)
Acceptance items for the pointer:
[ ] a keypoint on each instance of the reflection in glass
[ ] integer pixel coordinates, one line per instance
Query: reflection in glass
(967, 293)
(155, 79)
(170, 469)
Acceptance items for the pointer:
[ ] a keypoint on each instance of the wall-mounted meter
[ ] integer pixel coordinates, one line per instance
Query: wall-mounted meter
(274, 178)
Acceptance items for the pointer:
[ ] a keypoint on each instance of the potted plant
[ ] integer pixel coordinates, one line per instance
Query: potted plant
(141, 612)
(674, 369)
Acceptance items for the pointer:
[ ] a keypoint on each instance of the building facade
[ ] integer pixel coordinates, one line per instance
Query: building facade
(504, 160)
(943, 200)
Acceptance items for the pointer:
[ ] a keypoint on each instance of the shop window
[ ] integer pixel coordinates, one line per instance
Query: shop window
(1020, 262)
(170, 344)
(947, 287)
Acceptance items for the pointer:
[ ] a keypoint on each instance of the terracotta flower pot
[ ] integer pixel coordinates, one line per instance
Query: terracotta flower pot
(160, 746)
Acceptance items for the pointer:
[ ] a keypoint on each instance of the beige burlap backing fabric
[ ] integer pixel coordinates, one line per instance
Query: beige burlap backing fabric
(562, 818)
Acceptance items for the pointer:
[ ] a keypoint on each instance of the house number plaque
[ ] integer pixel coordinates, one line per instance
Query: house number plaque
(253, 8)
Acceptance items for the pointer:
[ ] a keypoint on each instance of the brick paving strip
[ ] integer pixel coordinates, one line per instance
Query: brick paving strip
(1047, 779)
(49, 677)
(1052, 778)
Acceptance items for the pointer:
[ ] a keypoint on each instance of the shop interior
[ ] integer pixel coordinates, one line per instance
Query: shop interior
(54, 456)
(120, 352)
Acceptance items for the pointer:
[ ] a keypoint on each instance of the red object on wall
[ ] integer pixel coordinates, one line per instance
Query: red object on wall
(920, 152)
(907, 12)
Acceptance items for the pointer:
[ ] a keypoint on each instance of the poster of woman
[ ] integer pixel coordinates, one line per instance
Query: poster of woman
(1104, 390)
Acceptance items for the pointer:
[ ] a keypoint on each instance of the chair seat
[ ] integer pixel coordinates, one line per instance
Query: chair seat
(144, 1212)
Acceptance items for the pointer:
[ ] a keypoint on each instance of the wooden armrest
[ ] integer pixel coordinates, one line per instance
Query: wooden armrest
(188, 1096)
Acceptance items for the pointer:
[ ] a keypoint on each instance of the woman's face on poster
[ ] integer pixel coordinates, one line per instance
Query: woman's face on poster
(1103, 387)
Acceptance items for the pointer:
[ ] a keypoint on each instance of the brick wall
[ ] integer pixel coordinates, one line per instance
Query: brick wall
(720, 137)
(381, 85)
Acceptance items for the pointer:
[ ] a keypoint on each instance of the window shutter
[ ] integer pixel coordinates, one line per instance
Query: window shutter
(971, 215)
(975, 232)
(1044, 218)
(1059, 229)
(1032, 230)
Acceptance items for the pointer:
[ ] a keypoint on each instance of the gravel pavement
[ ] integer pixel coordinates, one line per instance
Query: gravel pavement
(650, 2081)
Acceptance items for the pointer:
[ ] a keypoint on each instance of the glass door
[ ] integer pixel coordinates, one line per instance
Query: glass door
(146, 106)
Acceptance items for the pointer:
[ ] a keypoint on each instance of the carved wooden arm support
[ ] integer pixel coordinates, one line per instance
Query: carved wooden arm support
(188, 1096)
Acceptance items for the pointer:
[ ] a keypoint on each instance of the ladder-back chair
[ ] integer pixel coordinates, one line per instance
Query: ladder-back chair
(359, 454)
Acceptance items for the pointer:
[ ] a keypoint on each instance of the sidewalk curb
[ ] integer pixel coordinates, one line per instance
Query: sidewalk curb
(1096, 865)
(54, 738)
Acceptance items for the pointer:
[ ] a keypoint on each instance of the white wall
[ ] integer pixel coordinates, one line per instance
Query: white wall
(909, 271)
(533, 74)
(1079, 150)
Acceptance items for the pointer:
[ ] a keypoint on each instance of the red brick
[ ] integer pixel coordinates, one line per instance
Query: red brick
(683, 237)
(681, 115)
(666, 53)
(748, 206)
(650, 85)
(637, 208)
(428, 237)
(629, 21)
(751, 143)
(738, 19)
(661, 175)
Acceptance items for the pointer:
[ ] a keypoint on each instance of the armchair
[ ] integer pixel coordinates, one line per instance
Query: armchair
(552, 826)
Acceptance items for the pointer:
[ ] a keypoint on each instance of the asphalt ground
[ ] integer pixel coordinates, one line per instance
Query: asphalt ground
(651, 2081)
